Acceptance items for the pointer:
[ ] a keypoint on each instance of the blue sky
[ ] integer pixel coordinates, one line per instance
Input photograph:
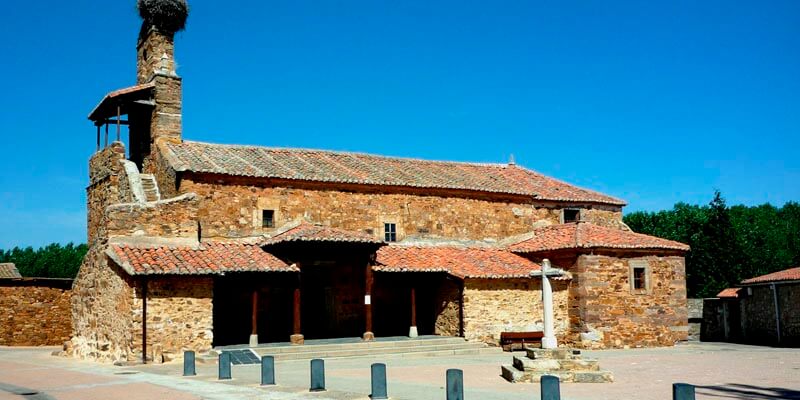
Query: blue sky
(653, 102)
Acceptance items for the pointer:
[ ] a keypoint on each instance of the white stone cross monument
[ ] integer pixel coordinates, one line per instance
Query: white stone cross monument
(549, 340)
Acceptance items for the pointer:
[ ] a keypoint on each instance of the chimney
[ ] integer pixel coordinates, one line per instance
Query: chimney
(156, 64)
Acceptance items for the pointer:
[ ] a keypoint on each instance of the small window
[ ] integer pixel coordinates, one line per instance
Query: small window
(390, 232)
(571, 215)
(639, 278)
(268, 218)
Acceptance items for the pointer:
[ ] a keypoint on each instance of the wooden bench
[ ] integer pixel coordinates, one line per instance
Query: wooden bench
(517, 340)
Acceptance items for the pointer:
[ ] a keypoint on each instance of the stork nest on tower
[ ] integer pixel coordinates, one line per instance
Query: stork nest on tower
(166, 15)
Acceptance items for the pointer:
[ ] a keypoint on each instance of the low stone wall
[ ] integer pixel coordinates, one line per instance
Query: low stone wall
(695, 318)
(492, 306)
(35, 312)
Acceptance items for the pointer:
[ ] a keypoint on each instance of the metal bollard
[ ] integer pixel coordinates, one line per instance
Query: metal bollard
(317, 375)
(550, 387)
(188, 364)
(224, 365)
(267, 370)
(455, 384)
(682, 391)
(379, 382)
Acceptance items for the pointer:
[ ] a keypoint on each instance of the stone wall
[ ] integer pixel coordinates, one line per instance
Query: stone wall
(604, 217)
(103, 189)
(448, 309)
(695, 318)
(758, 321)
(34, 312)
(173, 218)
(165, 175)
(102, 309)
(234, 210)
(179, 317)
(607, 313)
(492, 306)
(789, 304)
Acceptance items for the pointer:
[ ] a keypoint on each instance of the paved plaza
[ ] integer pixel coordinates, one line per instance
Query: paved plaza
(720, 370)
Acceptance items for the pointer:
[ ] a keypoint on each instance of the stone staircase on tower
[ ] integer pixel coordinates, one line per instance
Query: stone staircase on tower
(150, 187)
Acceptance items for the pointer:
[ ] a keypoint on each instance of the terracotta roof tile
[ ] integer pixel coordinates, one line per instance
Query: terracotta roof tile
(306, 232)
(729, 293)
(208, 259)
(791, 274)
(583, 235)
(457, 261)
(365, 169)
(106, 104)
(9, 271)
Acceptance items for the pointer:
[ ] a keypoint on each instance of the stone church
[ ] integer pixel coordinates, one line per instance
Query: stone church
(196, 245)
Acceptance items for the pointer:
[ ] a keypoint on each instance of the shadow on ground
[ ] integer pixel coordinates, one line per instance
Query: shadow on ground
(750, 392)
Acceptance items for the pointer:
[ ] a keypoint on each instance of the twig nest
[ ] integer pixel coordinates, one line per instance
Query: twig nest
(166, 15)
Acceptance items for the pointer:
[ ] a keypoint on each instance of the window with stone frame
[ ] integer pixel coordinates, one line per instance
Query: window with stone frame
(639, 276)
(267, 218)
(570, 215)
(390, 232)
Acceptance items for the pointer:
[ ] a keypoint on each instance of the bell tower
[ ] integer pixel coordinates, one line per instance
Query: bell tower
(156, 67)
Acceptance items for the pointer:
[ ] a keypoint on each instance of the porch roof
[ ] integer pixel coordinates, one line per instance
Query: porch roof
(306, 232)
(205, 259)
(122, 97)
(461, 262)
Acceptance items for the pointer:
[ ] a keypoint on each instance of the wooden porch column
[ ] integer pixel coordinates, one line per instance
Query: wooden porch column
(297, 335)
(368, 335)
(412, 332)
(254, 321)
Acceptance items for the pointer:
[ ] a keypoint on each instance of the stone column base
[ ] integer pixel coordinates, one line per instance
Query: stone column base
(253, 340)
(412, 332)
(549, 342)
(368, 337)
(297, 339)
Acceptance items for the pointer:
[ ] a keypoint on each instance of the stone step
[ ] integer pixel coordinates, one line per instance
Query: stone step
(375, 345)
(549, 354)
(511, 374)
(460, 349)
(150, 187)
(527, 364)
(405, 348)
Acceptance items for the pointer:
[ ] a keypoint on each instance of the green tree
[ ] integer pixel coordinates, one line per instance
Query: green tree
(51, 261)
(728, 244)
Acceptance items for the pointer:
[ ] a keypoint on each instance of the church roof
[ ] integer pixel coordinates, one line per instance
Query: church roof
(365, 169)
(461, 262)
(584, 235)
(306, 232)
(791, 274)
(205, 259)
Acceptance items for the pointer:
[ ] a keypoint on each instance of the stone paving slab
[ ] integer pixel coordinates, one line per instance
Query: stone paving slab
(722, 371)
